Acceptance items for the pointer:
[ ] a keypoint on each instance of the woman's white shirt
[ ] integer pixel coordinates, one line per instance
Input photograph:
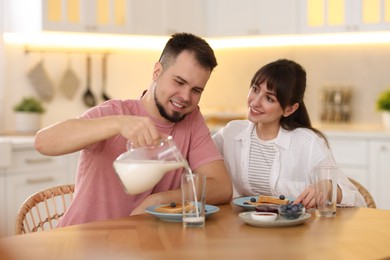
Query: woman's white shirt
(297, 153)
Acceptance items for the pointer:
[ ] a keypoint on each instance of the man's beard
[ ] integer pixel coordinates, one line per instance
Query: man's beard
(174, 118)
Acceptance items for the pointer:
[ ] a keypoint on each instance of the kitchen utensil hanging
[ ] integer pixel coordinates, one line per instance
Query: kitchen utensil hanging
(104, 77)
(41, 81)
(89, 97)
(69, 82)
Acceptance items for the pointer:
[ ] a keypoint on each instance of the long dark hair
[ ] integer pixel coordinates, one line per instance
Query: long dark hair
(287, 79)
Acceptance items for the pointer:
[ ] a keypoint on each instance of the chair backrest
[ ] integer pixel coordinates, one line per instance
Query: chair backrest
(42, 210)
(366, 194)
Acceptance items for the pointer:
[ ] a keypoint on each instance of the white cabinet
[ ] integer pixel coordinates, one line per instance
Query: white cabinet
(165, 17)
(147, 17)
(380, 169)
(28, 172)
(251, 17)
(352, 156)
(5, 161)
(19, 186)
(3, 215)
(103, 16)
(319, 16)
(365, 157)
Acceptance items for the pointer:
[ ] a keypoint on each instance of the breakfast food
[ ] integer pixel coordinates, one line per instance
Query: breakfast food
(268, 208)
(268, 200)
(174, 208)
(292, 211)
(273, 200)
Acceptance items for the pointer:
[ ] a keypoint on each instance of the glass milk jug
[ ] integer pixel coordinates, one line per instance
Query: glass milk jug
(140, 169)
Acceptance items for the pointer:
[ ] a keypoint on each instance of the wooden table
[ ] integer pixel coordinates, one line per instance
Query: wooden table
(353, 234)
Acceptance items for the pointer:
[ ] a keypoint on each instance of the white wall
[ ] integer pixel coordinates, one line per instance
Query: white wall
(364, 67)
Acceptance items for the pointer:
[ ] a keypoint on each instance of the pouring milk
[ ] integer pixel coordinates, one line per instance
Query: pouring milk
(138, 176)
(140, 169)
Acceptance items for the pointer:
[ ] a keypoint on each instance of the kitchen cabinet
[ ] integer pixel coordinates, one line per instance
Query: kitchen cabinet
(19, 186)
(165, 17)
(352, 155)
(146, 17)
(28, 172)
(380, 177)
(251, 17)
(5, 160)
(364, 157)
(322, 16)
(3, 216)
(102, 16)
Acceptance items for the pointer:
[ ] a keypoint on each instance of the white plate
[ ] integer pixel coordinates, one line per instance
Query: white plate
(279, 222)
(210, 209)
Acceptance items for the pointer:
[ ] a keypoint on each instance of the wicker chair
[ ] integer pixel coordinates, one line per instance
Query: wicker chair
(42, 210)
(367, 196)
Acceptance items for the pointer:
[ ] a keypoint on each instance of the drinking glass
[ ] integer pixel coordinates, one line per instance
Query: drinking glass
(325, 185)
(193, 188)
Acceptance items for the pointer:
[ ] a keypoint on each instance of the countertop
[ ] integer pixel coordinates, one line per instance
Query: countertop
(21, 140)
(356, 130)
(9, 143)
(347, 129)
(18, 141)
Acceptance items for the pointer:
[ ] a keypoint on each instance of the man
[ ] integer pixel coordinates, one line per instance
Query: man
(168, 107)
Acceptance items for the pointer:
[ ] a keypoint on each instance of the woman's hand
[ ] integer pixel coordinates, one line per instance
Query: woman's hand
(307, 198)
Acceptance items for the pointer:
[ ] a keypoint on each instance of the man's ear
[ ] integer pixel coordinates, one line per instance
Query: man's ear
(290, 109)
(157, 70)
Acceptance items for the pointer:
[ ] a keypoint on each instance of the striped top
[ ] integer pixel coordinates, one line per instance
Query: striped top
(261, 157)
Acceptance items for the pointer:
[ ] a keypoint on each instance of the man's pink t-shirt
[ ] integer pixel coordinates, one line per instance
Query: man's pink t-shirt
(99, 195)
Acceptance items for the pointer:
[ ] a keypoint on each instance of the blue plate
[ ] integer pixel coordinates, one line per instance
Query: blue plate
(210, 210)
(240, 202)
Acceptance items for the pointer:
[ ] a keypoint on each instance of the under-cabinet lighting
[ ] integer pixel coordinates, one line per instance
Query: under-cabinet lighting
(301, 40)
(85, 41)
(114, 43)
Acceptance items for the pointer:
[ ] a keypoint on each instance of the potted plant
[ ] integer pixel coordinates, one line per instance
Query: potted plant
(383, 104)
(28, 114)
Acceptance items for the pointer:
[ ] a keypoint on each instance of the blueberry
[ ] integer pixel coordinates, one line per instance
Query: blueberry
(253, 199)
(245, 203)
(173, 205)
(282, 197)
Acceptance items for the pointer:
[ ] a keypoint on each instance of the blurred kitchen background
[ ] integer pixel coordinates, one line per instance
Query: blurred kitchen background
(338, 58)
(343, 44)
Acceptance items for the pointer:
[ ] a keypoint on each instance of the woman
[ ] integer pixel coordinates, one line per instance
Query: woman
(274, 151)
